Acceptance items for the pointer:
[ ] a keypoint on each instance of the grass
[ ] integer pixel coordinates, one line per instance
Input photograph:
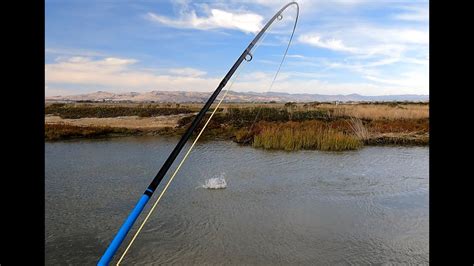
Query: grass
(309, 135)
(62, 131)
(291, 126)
(244, 117)
(359, 129)
(380, 111)
(399, 125)
(399, 140)
(364, 110)
(82, 111)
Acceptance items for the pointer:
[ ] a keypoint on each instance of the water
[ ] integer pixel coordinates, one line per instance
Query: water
(216, 182)
(306, 207)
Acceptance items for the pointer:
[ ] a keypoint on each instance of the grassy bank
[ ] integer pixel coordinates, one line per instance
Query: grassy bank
(55, 132)
(308, 135)
(267, 126)
(81, 111)
(344, 134)
(61, 131)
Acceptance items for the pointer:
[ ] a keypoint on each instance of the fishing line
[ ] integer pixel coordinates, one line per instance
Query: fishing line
(184, 159)
(200, 133)
(170, 180)
(134, 214)
(278, 71)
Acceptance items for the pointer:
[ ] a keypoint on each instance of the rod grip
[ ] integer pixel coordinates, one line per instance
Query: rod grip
(122, 233)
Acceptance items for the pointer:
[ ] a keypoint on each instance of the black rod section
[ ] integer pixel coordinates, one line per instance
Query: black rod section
(160, 175)
(132, 217)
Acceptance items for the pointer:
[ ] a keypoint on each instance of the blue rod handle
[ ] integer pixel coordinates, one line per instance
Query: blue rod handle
(122, 233)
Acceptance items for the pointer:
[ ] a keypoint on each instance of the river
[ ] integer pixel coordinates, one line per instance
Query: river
(307, 207)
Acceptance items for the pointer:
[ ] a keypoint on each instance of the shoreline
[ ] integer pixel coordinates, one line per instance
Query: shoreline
(74, 132)
(289, 127)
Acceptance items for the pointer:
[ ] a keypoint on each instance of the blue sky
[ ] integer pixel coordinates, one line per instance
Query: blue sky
(340, 47)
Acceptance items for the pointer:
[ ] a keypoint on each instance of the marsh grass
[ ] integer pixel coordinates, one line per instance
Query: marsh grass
(244, 117)
(83, 111)
(379, 111)
(399, 125)
(321, 126)
(62, 131)
(359, 129)
(306, 135)
(400, 140)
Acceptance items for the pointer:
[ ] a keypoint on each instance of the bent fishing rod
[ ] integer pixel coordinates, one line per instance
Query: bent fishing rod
(132, 217)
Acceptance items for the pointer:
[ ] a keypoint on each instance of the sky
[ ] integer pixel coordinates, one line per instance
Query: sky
(368, 47)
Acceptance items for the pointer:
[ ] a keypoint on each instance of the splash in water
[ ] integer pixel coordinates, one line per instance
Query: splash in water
(215, 183)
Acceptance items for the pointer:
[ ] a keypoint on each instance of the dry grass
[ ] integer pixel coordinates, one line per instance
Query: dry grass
(399, 125)
(341, 134)
(102, 111)
(309, 135)
(361, 111)
(380, 111)
(62, 131)
(321, 126)
(359, 129)
(131, 122)
(411, 138)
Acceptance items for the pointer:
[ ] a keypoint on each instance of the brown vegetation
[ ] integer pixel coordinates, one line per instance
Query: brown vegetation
(288, 126)
(81, 111)
(62, 131)
(309, 135)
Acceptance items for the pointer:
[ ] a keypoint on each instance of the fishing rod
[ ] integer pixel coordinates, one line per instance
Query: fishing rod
(132, 217)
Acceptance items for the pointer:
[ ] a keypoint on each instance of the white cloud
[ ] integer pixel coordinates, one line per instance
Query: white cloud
(316, 86)
(331, 43)
(295, 56)
(245, 22)
(187, 71)
(405, 36)
(420, 14)
(306, 6)
(72, 52)
(416, 79)
(385, 56)
(368, 40)
(118, 74)
(383, 52)
(411, 82)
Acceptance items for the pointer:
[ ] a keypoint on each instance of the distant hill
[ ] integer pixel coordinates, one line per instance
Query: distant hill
(232, 96)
